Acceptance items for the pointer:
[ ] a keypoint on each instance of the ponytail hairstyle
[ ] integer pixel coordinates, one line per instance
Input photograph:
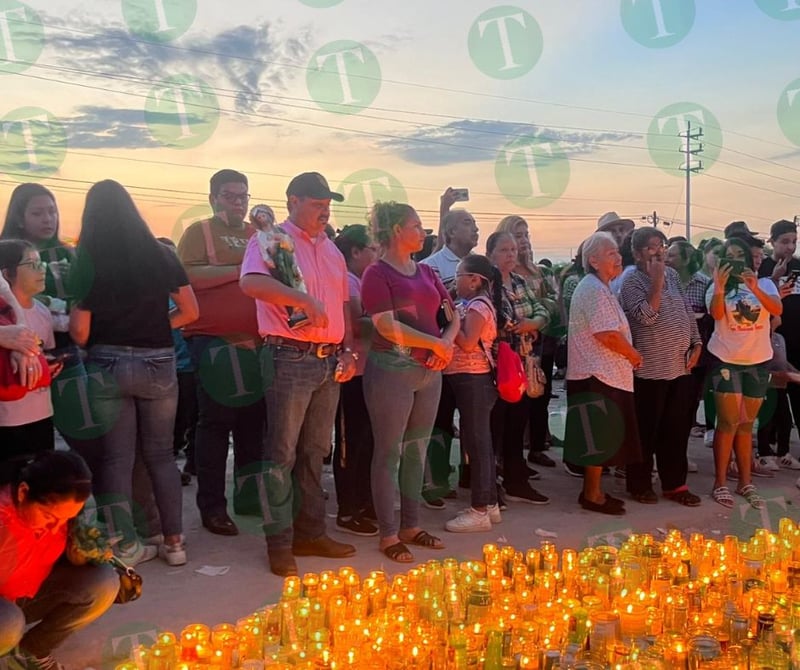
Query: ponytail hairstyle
(384, 216)
(491, 281)
(51, 476)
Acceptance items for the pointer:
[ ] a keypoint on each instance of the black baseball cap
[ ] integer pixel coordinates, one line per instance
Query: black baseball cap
(739, 229)
(312, 185)
(780, 228)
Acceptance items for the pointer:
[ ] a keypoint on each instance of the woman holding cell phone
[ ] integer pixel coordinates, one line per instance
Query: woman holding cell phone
(739, 348)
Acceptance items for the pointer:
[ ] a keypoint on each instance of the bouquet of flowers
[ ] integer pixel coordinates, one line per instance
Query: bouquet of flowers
(277, 250)
(88, 542)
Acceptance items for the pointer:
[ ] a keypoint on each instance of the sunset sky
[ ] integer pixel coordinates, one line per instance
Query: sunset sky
(553, 110)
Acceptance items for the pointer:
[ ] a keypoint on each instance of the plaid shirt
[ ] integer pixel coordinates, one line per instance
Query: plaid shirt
(520, 302)
(696, 292)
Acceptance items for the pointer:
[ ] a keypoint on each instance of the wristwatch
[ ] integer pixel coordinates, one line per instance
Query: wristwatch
(348, 350)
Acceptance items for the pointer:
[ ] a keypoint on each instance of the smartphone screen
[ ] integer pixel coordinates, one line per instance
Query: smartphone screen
(461, 194)
(736, 266)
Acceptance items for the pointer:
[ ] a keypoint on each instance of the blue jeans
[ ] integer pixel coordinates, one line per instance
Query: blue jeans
(224, 408)
(402, 399)
(70, 598)
(139, 402)
(301, 398)
(475, 396)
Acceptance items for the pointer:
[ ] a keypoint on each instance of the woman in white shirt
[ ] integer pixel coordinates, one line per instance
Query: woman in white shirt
(26, 425)
(739, 348)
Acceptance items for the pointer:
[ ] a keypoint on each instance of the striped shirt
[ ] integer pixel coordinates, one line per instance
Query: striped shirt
(662, 337)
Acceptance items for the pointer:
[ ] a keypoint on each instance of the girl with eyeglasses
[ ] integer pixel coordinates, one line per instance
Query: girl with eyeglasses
(26, 425)
(479, 293)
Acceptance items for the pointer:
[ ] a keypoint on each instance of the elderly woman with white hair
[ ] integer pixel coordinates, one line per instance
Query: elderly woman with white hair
(601, 425)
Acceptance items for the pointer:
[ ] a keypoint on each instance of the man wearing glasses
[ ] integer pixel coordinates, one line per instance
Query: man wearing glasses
(224, 347)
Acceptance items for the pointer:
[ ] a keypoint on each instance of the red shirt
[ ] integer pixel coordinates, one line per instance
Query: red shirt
(26, 556)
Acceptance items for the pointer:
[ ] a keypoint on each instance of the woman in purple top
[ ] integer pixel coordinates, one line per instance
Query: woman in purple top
(409, 350)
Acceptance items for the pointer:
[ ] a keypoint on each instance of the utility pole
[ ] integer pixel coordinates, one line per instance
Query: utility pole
(654, 220)
(690, 150)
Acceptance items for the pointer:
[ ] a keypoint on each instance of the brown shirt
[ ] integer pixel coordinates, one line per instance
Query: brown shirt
(224, 309)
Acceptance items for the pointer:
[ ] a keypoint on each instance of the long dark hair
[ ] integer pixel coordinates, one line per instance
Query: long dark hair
(116, 246)
(14, 226)
(482, 266)
(51, 476)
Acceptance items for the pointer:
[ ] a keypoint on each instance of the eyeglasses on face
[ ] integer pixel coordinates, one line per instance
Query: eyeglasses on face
(233, 198)
(37, 266)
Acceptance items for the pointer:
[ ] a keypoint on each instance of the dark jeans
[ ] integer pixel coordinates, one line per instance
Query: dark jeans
(475, 396)
(219, 415)
(301, 404)
(774, 419)
(28, 439)
(440, 444)
(70, 598)
(538, 412)
(508, 425)
(401, 397)
(352, 459)
(664, 413)
(142, 398)
(186, 418)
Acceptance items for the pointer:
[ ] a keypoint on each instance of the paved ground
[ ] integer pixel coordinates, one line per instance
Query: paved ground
(174, 597)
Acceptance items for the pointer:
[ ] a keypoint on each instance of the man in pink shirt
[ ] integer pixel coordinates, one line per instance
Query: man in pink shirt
(301, 368)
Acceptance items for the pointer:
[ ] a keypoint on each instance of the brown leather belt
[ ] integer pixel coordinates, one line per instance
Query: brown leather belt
(319, 349)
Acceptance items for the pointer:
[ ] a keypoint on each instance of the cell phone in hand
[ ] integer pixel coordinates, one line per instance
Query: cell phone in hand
(460, 194)
(737, 266)
(793, 276)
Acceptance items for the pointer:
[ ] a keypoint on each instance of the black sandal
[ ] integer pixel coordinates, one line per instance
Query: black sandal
(395, 551)
(425, 539)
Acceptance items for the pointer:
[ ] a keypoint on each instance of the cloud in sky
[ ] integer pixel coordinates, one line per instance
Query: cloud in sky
(466, 141)
(241, 63)
(95, 127)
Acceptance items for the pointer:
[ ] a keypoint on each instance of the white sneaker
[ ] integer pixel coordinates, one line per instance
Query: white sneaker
(769, 462)
(708, 440)
(758, 470)
(494, 513)
(691, 466)
(788, 461)
(469, 521)
(173, 554)
(136, 553)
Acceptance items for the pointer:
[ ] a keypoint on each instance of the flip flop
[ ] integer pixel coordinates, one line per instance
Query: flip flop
(398, 552)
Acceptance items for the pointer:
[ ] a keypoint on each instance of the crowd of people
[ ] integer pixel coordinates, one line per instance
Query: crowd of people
(280, 338)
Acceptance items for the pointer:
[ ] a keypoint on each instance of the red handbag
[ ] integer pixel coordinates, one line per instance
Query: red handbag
(10, 387)
(509, 374)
